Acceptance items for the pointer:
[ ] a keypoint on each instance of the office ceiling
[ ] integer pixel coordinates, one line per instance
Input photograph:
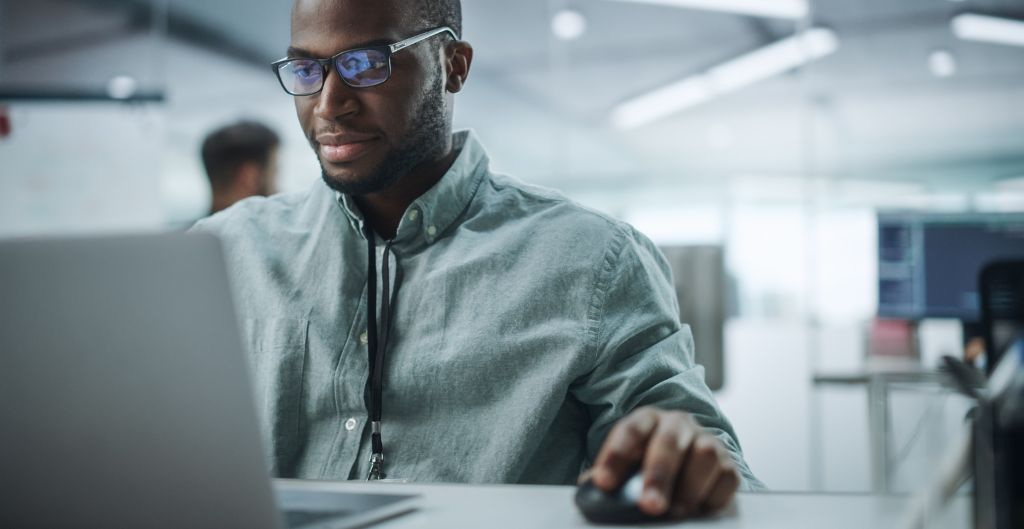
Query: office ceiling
(871, 111)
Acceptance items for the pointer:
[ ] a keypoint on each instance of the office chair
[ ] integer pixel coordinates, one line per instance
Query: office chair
(1001, 287)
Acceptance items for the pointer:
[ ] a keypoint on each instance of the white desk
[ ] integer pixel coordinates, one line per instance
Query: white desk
(541, 507)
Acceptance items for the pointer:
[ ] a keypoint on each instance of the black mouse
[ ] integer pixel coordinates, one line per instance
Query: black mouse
(618, 507)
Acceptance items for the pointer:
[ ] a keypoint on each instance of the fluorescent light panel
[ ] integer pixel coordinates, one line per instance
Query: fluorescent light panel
(773, 59)
(662, 102)
(758, 65)
(984, 28)
(791, 9)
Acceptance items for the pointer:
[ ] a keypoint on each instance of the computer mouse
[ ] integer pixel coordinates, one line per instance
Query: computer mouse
(618, 507)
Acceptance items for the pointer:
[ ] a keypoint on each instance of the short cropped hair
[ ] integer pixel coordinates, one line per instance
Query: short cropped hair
(229, 147)
(437, 13)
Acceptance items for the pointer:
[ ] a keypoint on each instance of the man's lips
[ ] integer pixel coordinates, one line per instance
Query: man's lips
(341, 148)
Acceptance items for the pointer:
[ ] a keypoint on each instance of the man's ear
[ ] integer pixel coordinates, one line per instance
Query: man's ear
(458, 61)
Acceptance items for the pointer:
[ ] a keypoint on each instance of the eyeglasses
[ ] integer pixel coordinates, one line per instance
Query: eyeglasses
(358, 68)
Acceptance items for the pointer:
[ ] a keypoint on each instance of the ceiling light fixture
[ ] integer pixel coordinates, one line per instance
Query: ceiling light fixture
(122, 87)
(568, 24)
(942, 63)
(791, 9)
(984, 28)
(758, 65)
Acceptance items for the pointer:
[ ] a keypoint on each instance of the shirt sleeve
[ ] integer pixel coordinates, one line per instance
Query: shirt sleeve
(643, 354)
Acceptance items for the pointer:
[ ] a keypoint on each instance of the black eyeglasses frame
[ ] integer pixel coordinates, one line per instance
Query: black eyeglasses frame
(326, 64)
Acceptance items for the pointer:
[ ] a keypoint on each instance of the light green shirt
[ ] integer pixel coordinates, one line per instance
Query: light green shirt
(524, 327)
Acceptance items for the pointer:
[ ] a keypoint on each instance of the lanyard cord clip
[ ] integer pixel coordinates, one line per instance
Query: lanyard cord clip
(377, 457)
(376, 467)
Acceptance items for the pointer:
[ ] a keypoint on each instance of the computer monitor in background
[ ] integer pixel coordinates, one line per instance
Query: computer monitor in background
(700, 283)
(929, 264)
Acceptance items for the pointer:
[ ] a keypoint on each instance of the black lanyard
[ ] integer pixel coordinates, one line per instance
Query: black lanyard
(375, 346)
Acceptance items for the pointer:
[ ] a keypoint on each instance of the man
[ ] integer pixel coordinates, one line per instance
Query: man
(241, 162)
(517, 338)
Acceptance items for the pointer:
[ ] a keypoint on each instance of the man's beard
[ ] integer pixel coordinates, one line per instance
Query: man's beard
(425, 141)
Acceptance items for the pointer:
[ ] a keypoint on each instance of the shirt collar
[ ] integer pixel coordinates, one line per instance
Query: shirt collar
(431, 215)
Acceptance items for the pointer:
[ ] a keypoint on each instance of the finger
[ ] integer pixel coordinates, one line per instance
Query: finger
(699, 474)
(584, 476)
(724, 489)
(623, 449)
(663, 459)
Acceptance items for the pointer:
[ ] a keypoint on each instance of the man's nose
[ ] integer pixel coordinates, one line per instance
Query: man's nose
(337, 99)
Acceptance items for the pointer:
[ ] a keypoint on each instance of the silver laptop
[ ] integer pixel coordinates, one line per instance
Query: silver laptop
(125, 399)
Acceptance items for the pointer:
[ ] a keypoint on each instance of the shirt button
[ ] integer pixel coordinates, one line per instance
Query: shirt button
(414, 214)
(350, 424)
(364, 338)
(431, 231)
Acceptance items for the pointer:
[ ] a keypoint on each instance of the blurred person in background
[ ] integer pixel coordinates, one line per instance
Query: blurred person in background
(241, 162)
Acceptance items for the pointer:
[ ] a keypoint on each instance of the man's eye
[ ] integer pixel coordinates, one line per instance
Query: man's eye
(361, 64)
(305, 71)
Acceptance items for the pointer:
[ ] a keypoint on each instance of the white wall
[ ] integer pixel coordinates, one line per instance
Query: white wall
(76, 168)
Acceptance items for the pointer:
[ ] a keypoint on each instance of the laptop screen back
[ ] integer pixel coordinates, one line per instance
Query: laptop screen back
(124, 395)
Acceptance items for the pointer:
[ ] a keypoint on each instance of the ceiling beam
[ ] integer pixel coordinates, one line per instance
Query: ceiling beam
(82, 95)
(161, 15)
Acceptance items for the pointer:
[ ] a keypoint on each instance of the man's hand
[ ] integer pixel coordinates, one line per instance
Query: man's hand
(686, 470)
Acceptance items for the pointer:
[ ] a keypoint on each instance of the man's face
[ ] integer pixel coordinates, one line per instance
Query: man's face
(368, 138)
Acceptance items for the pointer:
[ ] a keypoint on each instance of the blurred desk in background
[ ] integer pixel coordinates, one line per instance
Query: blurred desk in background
(878, 378)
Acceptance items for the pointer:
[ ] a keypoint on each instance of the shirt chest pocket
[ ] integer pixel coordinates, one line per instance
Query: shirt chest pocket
(277, 356)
